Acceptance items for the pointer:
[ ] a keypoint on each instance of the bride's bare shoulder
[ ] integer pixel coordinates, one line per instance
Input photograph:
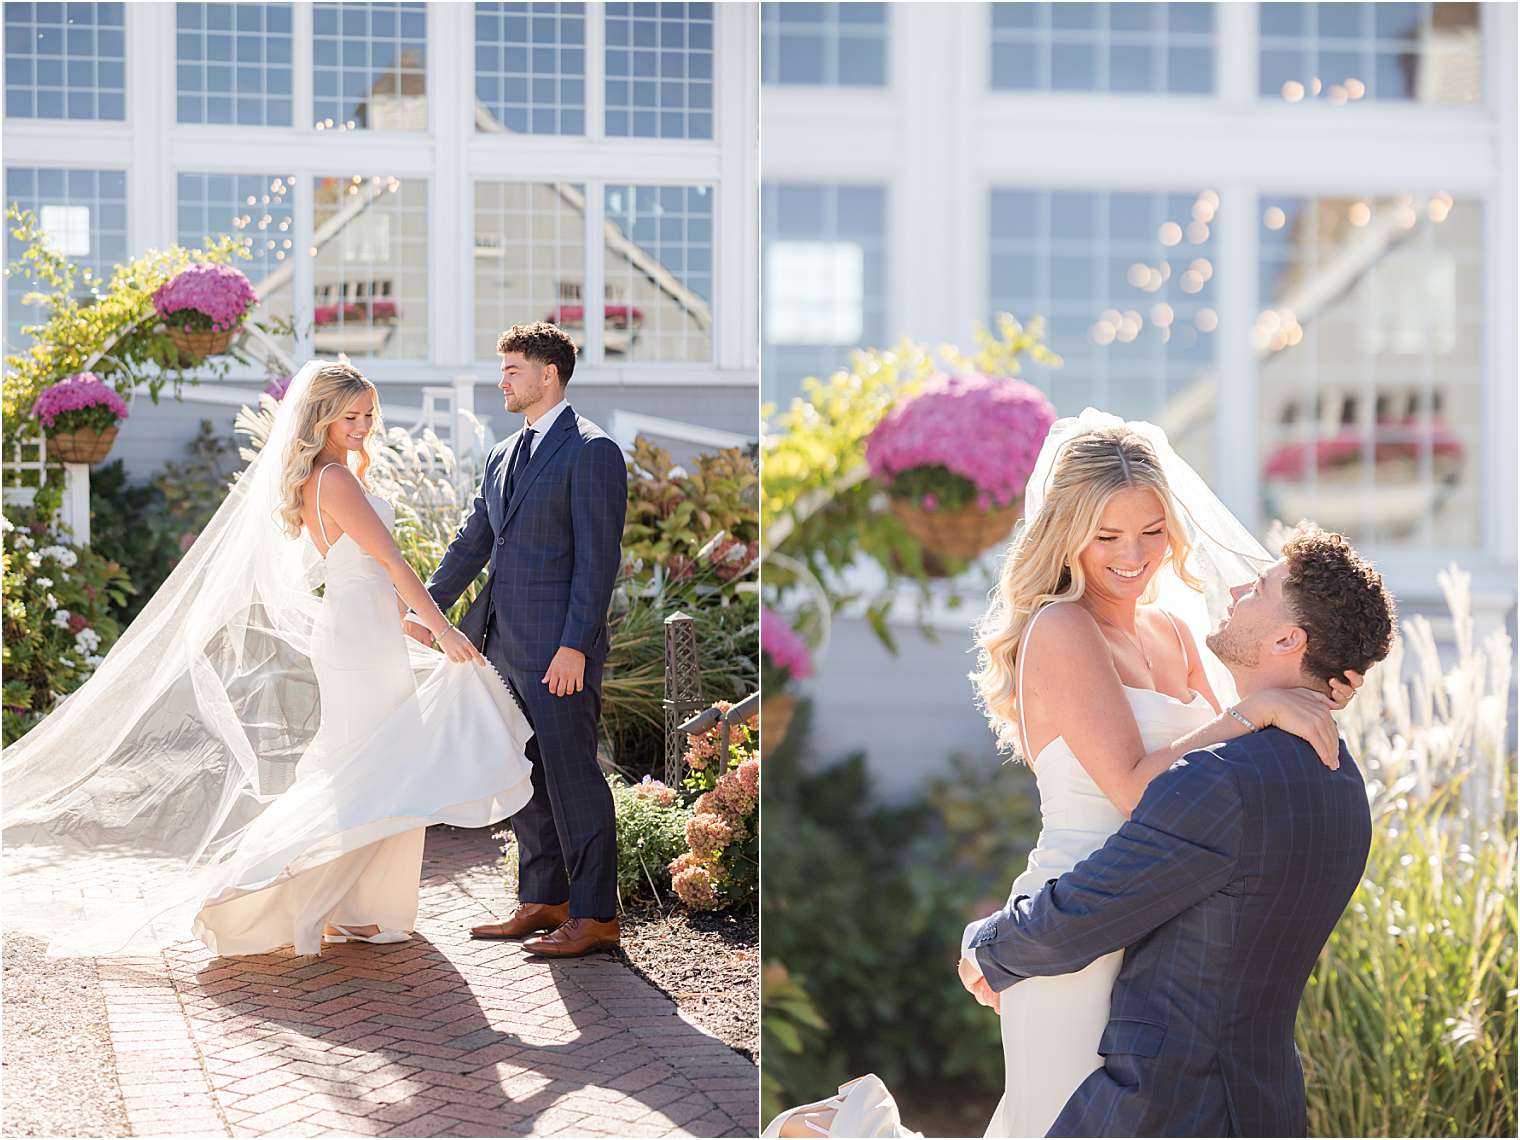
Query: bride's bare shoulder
(1063, 630)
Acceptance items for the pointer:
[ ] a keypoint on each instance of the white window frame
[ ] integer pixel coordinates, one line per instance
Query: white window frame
(965, 139)
(153, 148)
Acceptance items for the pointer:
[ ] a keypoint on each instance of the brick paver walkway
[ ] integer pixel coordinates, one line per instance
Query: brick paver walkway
(439, 1036)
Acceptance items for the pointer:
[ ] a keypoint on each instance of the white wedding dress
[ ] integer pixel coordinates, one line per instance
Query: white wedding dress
(343, 844)
(1051, 1026)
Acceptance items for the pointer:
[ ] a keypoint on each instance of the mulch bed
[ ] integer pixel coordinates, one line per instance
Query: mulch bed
(707, 962)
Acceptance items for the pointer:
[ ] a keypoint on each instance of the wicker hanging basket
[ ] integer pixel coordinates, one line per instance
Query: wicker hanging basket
(960, 534)
(775, 718)
(195, 346)
(84, 446)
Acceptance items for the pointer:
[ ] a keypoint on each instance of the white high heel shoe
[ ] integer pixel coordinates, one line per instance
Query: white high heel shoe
(379, 938)
(863, 1107)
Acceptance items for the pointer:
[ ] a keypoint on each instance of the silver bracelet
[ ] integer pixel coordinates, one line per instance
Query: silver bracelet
(1240, 716)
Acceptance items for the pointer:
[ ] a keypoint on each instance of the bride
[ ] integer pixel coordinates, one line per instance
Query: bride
(1090, 668)
(254, 763)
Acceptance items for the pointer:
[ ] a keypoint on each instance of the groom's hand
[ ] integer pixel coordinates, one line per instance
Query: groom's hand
(567, 672)
(976, 985)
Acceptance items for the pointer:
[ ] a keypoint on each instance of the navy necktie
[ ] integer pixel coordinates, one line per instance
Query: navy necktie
(520, 458)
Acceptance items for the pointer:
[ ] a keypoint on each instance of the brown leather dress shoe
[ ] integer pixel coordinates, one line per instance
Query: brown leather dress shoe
(577, 937)
(528, 918)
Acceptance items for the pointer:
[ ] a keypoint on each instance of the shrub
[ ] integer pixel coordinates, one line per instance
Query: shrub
(678, 519)
(651, 831)
(720, 867)
(57, 617)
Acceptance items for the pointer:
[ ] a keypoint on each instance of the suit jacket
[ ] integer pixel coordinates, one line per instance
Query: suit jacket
(554, 551)
(1222, 889)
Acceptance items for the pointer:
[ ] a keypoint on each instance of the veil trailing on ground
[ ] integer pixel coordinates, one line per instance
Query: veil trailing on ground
(137, 786)
(1224, 553)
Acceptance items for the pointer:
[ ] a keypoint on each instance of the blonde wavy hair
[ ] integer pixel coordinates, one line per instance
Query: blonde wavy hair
(334, 386)
(1042, 564)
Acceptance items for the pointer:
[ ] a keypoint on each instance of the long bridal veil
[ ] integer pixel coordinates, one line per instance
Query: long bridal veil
(1224, 553)
(124, 802)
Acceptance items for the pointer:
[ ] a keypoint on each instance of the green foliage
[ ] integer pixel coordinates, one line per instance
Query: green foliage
(651, 833)
(674, 518)
(818, 503)
(790, 1027)
(58, 622)
(77, 327)
(864, 905)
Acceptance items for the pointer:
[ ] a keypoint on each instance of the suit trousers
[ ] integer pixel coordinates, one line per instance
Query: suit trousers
(567, 833)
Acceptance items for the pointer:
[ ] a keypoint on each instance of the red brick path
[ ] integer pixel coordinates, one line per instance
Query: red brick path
(439, 1036)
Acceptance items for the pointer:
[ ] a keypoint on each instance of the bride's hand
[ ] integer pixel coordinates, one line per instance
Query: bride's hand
(976, 985)
(456, 647)
(1303, 712)
(1341, 691)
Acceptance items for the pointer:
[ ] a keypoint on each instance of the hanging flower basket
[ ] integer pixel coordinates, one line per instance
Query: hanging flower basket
(954, 459)
(80, 415)
(775, 719)
(961, 533)
(202, 308)
(83, 446)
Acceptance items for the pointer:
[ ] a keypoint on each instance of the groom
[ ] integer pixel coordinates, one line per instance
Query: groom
(1223, 886)
(548, 520)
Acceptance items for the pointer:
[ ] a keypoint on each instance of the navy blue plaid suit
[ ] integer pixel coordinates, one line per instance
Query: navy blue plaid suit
(1222, 888)
(554, 551)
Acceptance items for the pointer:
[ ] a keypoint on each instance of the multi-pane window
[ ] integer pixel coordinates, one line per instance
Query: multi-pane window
(65, 61)
(659, 272)
(659, 70)
(1126, 282)
(371, 278)
(1344, 53)
(84, 215)
(530, 68)
(824, 275)
(1369, 330)
(233, 64)
(530, 260)
(260, 210)
(370, 66)
(1128, 48)
(841, 45)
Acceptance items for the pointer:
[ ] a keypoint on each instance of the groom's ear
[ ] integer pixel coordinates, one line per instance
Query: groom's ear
(1290, 639)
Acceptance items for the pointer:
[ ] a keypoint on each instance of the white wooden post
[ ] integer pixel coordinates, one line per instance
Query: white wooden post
(76, 502)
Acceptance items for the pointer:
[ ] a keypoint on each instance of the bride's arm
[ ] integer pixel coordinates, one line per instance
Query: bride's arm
(344, 503)
(1071, 680)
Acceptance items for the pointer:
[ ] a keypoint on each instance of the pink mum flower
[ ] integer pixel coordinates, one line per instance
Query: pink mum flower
(784, 646)
(219, 293)
(75, 393)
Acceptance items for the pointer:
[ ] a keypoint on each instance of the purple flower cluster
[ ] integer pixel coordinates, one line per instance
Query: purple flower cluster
(277, 387)
(77, 393)
(986, 429)
(784, 646)
(219, 293)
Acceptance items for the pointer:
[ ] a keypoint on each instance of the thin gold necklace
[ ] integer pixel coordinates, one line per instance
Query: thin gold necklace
(1134, 637)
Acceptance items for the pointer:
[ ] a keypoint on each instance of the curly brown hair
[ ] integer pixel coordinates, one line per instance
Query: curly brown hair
(1340, 601)
(542, 343)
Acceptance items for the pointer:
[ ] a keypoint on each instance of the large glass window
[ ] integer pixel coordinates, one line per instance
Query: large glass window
(83, 213)
(1126, 282)
(1129, 48)
(259, 209)
(371, 266)
(1343, 53)
(530, 68)
(65, 61)
(1370, 334)
(233, 64)
(370, 66)
(824, 276)
(659, 266)
(842, 45)
(530, 261)
(660, 71)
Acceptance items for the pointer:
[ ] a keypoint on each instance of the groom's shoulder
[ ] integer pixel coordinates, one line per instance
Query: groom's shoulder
(588, 430)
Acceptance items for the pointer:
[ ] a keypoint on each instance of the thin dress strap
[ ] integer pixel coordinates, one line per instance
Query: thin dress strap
(1186, 663)
(1018, 684)
(320, 524)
